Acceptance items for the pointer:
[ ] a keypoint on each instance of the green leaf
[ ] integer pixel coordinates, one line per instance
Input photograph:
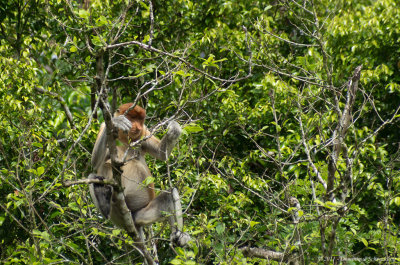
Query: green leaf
(44, 235)
(300, 213)
(148, 181)
(73, 49)
(40, 171)
(83, 13)
(365, 242)
(193, 128)
(176, 262)
(97, 41)
(56, 205)
(396, 201)
(220, 228)
(31, 170)
(73, 206)
(252, 223)
(101, 21)
(39, 145)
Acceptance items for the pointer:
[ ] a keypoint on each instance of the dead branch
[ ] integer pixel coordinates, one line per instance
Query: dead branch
(269, 255)
(307, 150)
(340, 132)
(262, 253)
(90, 181)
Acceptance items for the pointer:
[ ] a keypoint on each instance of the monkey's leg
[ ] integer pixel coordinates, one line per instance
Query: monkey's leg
(157, 209)
(164, 205)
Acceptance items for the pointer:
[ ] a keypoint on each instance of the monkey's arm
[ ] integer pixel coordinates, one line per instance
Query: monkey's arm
(100, 150)
(162, 149)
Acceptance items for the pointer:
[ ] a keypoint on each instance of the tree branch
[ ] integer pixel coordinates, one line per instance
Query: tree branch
(262, 253)
(341, 129)
(90, 181)
(152, 49)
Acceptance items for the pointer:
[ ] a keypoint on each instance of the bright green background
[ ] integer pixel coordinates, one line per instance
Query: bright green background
(244, 151)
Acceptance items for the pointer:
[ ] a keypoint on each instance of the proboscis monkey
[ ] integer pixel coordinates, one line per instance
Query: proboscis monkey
(146, 208)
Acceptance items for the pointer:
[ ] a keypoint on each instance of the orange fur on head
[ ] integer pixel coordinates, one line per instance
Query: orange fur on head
(136, 113)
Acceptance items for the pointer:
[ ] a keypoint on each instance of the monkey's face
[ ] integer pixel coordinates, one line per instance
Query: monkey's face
(137, 129)
(136, 116)
(134, 133)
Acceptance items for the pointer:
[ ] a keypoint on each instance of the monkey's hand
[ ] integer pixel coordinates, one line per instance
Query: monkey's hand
(122, 123)
(174, 130)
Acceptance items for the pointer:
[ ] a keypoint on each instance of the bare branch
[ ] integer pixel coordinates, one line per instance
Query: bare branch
(152, 49)
(340, 132)
(288, 41)
(262, 253)
(151, 22)
(307, 150)
(90, 181)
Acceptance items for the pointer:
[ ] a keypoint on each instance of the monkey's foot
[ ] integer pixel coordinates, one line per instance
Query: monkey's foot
(180, 238)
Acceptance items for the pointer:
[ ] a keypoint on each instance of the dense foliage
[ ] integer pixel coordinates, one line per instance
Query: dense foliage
(290, 112)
